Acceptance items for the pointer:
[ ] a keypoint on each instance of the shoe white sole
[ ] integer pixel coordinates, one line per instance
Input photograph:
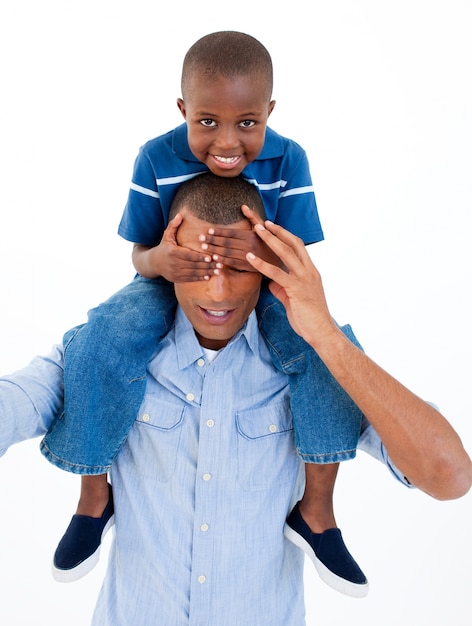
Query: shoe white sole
(83, 568)
(327, 576)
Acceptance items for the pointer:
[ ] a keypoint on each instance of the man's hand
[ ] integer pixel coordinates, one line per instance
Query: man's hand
(228, 246)
(172, 261)
(297, 284)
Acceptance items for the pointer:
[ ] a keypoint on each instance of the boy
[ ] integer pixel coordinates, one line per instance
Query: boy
(226, 102)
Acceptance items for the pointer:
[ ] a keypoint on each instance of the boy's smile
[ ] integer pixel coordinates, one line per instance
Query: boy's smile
(226, 120)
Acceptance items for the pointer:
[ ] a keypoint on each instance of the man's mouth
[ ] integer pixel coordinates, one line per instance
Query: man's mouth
(217, 316)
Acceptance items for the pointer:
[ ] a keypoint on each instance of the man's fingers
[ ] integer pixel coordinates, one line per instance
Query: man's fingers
(279, 235)
(251, 215)
(273, 272)
(289, 248)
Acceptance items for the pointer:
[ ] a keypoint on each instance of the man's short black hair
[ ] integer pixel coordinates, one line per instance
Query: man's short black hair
(217, 200)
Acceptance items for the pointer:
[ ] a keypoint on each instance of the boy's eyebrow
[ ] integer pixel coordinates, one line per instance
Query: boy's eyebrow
(248, 113)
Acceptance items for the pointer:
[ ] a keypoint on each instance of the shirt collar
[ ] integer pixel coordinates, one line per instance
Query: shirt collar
(273, 145)
(189, 350)
(180, 144)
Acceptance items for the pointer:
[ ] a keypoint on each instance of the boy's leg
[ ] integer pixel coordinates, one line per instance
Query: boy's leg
(105, 363)
(311, 526)
(78, 551)
(316, 506)
(326, 428)
(94, 495)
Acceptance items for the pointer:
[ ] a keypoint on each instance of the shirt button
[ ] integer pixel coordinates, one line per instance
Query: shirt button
(206, 477)
(190, 397)
(146, 417)
(210, 423)
(201, 579)
(273, 428)
(204, 528)
(201, 362)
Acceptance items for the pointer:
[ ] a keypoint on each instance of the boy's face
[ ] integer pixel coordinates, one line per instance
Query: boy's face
(227, 120)
(217, 308)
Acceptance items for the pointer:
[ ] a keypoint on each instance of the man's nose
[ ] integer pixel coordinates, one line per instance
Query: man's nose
(218, 287)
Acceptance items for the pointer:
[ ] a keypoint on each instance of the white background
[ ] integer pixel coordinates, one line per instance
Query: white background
(379, 95)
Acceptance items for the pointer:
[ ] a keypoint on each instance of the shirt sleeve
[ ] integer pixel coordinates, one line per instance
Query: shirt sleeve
(369, 441)
(297, 210)
(143, 221)
(30, 399)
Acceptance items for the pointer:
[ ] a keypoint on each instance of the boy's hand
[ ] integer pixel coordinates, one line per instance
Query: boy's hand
(229, 246)
(172, 261)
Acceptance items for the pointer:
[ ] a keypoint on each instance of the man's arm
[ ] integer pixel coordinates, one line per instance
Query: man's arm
(30, 399)
(419, 440)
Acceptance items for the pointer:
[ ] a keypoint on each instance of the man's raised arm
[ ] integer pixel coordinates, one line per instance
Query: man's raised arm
(419, 440)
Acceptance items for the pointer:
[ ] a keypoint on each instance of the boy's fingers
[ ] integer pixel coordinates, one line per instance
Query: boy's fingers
(173, 226)
(226, 238)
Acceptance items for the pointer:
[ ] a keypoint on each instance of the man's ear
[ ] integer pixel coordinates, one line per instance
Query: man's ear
(181, 105)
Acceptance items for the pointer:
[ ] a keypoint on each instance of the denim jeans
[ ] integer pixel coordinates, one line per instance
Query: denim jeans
(105, 362)
(326, 421)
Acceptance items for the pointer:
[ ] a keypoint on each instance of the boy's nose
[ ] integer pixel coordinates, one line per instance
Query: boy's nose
(227, 138)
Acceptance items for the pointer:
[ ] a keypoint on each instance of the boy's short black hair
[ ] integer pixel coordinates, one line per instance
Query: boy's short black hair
(217, 200)
(227, 53)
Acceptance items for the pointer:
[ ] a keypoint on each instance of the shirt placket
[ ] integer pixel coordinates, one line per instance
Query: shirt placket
(207, 485)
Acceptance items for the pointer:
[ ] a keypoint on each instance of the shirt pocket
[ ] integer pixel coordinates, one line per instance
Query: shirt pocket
(155, 437)
(266, 451)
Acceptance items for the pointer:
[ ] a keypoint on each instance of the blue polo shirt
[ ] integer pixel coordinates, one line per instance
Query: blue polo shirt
(281, 173)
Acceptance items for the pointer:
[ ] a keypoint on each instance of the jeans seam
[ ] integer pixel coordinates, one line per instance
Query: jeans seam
(67, 465)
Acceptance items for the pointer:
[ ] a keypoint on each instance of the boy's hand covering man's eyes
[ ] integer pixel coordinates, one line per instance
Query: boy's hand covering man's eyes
(229, 246)
(177, 263)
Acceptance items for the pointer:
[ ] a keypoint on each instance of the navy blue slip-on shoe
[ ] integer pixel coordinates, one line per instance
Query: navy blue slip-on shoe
(79, 549)
(334, 564)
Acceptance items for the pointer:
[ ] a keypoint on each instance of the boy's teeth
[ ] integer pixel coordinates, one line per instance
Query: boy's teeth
(216, 313)
(226, 159)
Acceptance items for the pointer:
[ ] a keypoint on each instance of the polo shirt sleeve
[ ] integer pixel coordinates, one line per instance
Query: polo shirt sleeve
(297, 210)
(143, 221)
(282, 174)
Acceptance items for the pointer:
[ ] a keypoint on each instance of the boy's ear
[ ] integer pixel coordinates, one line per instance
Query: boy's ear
(271, 107)
(181, 105)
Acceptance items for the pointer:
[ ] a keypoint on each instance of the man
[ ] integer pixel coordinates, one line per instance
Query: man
(209, 472)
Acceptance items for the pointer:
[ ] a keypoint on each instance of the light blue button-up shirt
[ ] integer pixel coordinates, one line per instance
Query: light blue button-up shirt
(202, 485)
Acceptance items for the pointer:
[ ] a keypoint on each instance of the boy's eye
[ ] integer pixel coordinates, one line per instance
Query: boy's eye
(208, 123)
(247, 123)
